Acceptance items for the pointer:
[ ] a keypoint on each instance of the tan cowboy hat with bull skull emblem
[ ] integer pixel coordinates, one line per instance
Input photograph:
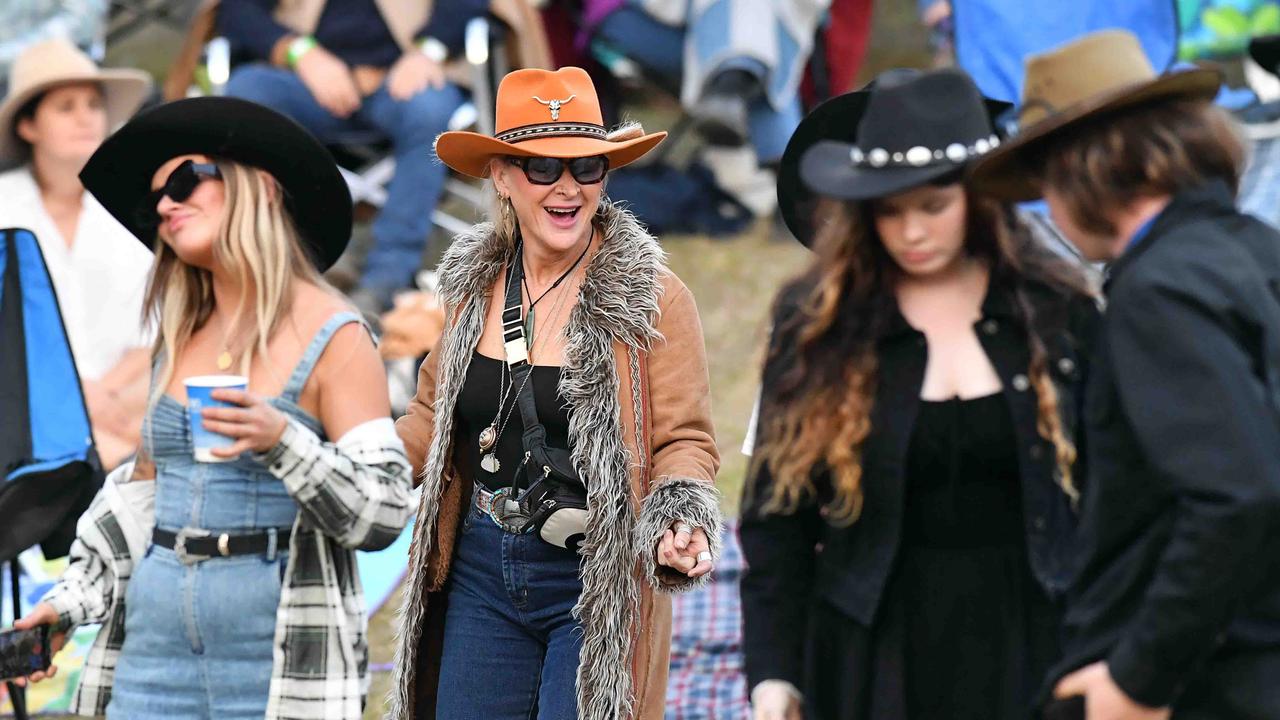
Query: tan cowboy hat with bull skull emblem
(543, 113)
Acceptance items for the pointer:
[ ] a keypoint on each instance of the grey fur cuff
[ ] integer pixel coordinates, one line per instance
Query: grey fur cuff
(676, 498)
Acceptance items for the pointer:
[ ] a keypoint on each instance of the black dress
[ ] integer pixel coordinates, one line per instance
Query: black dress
(964, 631)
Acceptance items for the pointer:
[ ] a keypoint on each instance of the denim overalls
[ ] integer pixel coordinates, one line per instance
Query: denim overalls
(199, 635)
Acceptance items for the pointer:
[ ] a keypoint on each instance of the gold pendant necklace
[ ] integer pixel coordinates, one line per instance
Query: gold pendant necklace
(224, 358)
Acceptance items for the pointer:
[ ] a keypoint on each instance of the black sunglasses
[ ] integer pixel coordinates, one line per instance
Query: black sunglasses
(547, 170)
(178, 187)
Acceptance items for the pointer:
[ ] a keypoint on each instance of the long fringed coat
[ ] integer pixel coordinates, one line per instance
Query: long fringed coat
(635, 382)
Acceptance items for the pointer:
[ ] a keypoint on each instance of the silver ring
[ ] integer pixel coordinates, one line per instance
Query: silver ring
(684, 528)
(704, 556)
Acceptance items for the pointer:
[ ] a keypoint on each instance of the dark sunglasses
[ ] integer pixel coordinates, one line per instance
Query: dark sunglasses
(181, 183)
(547, 170)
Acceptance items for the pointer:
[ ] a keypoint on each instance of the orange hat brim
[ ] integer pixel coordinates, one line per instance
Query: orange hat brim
(469, 153)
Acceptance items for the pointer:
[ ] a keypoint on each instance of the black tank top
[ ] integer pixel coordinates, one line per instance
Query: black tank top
(478, 405)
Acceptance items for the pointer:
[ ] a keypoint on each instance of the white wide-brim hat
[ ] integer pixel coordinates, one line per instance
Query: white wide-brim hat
(53, 63)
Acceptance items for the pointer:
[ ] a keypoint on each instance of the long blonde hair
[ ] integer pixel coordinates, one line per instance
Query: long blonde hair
(259, 245)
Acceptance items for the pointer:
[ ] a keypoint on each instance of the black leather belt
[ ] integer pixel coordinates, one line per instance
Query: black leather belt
(192, 545)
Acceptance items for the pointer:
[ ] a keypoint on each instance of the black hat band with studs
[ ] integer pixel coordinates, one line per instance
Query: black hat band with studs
(529, 132)
(921, 156)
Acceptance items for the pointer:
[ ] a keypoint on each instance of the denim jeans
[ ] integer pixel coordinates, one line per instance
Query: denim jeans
(661, 49)
(510, 644)
(401, 228)
(198, 638)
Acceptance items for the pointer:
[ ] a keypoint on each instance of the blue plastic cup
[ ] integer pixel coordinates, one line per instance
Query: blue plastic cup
(199, 391)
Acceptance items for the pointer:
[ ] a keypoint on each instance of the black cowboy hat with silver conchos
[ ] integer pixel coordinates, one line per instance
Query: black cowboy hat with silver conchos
(905, 129)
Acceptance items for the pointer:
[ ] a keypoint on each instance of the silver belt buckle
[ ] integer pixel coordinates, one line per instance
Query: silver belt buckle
(180, 545)
(503, 509)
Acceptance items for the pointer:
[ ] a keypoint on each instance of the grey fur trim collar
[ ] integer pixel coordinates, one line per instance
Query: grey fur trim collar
(618, 302)
(621, 287)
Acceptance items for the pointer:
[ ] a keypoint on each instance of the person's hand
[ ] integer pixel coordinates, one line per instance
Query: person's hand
(775, 700)
(413, 73)
(255, 425)
(42, 614)
(329, 80)
(685, 548)
(1103, 699)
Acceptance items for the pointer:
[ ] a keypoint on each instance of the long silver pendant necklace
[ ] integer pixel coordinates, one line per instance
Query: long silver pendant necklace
(488, 439)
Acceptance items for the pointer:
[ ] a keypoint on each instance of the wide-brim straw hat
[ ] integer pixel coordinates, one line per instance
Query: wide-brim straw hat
(53, 63)
(905, 129)
(1096, 75)
(119, 174)
(543, 113)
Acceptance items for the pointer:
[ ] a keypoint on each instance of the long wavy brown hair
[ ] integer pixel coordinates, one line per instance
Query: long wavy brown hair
(821, 370)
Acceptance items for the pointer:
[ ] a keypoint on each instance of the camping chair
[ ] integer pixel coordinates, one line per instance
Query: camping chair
(49, 467)
(126, 17)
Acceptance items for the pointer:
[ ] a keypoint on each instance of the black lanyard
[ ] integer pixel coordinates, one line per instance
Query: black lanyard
(517, 354)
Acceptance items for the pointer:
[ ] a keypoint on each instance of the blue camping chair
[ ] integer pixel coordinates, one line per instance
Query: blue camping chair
(993, 37)
(49, 467)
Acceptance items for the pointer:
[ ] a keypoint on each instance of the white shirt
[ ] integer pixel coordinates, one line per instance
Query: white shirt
(100, 278)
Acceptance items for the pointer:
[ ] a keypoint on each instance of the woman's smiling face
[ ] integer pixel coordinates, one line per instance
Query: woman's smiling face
(556, 216)
(191, 227)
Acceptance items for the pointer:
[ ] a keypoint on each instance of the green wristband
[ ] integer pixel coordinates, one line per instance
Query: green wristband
(298, 48)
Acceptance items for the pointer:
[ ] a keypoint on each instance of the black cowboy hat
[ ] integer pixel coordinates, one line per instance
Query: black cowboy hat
(903, 130)
(119, 173)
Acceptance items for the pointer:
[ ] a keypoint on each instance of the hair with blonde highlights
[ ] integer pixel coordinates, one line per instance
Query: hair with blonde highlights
(822, 368)
(259, 246)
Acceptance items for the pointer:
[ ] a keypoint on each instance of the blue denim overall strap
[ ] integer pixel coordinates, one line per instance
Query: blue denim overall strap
(302, 371)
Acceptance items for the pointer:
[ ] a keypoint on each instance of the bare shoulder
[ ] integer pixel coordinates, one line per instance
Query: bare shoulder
(351, 344)
(313, 306)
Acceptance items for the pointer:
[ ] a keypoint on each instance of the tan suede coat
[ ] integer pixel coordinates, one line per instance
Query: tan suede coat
(635, 381)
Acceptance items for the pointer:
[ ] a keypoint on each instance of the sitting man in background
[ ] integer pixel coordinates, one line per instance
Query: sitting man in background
(738, 62)
(360, 65)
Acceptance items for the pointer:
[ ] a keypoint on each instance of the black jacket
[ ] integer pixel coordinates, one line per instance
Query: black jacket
(798, 558)
(1180, 526)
